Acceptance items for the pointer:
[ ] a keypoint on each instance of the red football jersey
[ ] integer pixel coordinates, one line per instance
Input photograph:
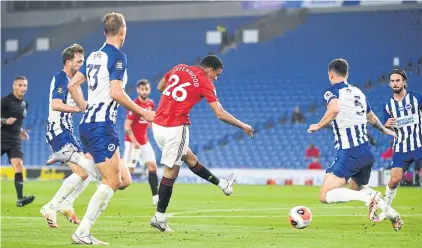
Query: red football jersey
(139, 125)
(186, 86)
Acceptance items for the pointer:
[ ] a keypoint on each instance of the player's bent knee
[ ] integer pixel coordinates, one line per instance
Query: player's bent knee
(82, 174)
(18, 168)
(152, 167)
(125, 183)
(114, 183)
(191, 159)
(353, 185)
(171, 173)
(17, 164)
(395, 181)
(396, 178)
(112, 180)
(78, 170)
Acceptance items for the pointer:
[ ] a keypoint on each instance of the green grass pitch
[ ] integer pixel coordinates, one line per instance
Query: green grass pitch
(202, 216)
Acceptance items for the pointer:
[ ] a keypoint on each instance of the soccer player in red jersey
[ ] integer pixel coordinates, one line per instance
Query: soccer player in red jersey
(183, 87)
(137, 146)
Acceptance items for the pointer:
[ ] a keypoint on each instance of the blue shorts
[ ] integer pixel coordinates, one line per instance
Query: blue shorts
(64, 138)
(100, 139)
(404, 160)
(355, 163)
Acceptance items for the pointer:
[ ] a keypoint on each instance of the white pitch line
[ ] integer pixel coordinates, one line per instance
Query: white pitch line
(264, 209)
(211, 216)
(188, 214)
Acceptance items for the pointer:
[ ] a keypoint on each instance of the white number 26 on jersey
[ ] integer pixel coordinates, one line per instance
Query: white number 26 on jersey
(179, 92)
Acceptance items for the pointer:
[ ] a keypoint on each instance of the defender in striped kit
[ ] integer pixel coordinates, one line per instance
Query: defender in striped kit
(105, 71)
(403, 114)
(349, 112)
(65, 145)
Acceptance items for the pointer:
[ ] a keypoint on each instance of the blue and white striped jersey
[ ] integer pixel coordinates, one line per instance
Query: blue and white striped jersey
(58, 121)
(349, 127)
(101, 67)
(408, 126)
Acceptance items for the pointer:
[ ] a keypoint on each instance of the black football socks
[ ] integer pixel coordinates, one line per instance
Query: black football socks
(204, 173)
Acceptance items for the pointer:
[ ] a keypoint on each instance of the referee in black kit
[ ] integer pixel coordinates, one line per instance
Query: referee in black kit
(13, 111)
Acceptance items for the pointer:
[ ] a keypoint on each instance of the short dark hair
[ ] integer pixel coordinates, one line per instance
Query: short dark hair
(20, 78)
(400, 72)
(143, 82)
(112, 23)
(69, 52)
(211, 61)
(339, 66)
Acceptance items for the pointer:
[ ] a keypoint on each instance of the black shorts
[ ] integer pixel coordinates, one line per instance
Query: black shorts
(13, 149)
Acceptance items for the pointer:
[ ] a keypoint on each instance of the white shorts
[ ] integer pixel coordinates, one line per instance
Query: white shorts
(143, 155)
(173, 142)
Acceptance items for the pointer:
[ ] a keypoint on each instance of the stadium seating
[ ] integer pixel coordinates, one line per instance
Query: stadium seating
(260, 82)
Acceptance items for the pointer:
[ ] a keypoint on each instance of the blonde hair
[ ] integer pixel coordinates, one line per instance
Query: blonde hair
(112, 23)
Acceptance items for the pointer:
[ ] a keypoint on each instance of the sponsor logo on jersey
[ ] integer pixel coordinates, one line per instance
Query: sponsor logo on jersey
(405, 121)
(328, 95)
(111, 147)
(119, 65)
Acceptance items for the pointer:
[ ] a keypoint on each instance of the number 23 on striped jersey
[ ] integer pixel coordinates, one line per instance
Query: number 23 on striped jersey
(176, 91)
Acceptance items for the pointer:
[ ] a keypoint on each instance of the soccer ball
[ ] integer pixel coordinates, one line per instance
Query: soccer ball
(300, 217)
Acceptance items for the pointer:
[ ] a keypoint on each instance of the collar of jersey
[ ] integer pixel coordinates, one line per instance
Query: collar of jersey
(14, 97)
(392, 97)
(340, 85)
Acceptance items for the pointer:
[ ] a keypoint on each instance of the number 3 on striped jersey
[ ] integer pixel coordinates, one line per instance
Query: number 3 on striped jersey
(359, 105)
(180, 89)
(93, 75)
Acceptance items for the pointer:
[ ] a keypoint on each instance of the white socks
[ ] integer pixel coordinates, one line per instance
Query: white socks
(390, 194)
(78, 190)
(345, 195)
(381, 203)
(367, 190)
(87, 164)
(68, 186)
(160, 216)
(96, 206)
(223, 184)
(340, 195)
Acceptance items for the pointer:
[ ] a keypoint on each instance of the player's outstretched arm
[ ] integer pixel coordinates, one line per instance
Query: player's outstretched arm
(226, 117)
(59, 105)
(333, 109)
(75, 90)
(120, 96)
(375, 122)
(162, 85)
